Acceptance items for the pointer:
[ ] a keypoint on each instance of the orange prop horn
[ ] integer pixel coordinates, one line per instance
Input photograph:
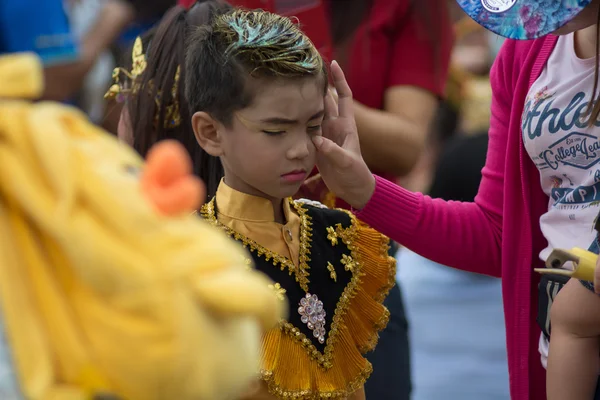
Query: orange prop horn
(168, 181)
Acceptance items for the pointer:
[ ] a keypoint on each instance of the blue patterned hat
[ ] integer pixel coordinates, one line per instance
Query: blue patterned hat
(523, 19)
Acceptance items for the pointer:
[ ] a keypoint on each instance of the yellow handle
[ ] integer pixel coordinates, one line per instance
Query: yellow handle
(583, 264)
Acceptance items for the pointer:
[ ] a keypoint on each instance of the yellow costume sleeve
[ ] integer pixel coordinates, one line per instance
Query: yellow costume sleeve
(99, 292)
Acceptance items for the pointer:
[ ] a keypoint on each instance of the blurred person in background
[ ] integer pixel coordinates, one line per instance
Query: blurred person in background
(467, 359)
(147, 15)
(83, 15)
(43, 27)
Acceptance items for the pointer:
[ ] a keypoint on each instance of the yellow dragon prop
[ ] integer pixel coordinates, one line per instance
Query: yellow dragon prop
(108, 286)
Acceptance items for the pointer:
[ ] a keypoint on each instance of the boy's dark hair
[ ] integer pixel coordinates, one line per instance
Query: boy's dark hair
(239, 46)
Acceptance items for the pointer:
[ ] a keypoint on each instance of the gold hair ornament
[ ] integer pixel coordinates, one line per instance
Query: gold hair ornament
(127, 82)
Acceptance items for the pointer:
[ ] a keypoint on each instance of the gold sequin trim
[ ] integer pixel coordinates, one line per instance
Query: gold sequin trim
(332, 236)
(348, 263)
(282, 393)
(348, 235)
(331, 270)
(301, 272)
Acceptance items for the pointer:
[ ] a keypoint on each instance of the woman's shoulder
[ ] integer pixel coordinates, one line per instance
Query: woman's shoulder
(518, 63)
(524, 55)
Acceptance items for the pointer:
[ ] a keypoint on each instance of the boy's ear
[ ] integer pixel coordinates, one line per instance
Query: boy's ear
(207, 133)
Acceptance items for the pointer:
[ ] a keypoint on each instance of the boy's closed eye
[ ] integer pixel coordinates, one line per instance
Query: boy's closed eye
(314, 128)
(273, 133)
(309, 129)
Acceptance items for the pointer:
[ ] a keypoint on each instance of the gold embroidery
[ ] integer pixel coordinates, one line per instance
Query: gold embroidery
(348, 263)
(332, 236)
(348, 235)
(331, 270)
(301, 273)
(279, 291)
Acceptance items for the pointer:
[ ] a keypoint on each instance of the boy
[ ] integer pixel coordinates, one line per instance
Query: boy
(256, 86)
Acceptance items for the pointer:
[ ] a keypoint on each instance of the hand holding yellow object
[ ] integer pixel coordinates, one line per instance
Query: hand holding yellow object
(107, 284)
(576, 263)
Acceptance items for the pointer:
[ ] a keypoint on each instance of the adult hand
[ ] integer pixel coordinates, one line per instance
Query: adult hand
(338, 150)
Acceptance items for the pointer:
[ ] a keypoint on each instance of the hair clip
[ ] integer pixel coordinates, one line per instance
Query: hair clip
(122, 87)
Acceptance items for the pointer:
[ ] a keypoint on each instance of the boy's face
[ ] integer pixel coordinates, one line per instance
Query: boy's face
(267, 151)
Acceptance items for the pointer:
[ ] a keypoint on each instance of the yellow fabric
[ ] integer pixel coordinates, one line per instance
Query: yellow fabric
(21, 77)
(98, 292)
(254, 218)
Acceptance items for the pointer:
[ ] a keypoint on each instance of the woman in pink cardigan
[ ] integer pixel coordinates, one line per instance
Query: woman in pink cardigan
(541, 181)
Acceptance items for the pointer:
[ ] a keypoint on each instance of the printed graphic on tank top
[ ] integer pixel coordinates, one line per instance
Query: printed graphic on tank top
(565, 150)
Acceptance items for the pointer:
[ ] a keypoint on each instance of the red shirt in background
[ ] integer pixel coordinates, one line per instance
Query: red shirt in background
(186, 3)
(400, 44)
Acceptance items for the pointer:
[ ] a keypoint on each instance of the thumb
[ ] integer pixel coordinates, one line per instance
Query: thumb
(330, 152)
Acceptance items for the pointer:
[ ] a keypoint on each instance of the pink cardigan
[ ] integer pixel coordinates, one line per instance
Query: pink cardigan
(499, 234)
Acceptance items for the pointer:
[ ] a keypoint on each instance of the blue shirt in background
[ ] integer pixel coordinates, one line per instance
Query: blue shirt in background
(39, 26)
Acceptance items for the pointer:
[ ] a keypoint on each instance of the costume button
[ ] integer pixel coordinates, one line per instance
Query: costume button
(288, 234)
